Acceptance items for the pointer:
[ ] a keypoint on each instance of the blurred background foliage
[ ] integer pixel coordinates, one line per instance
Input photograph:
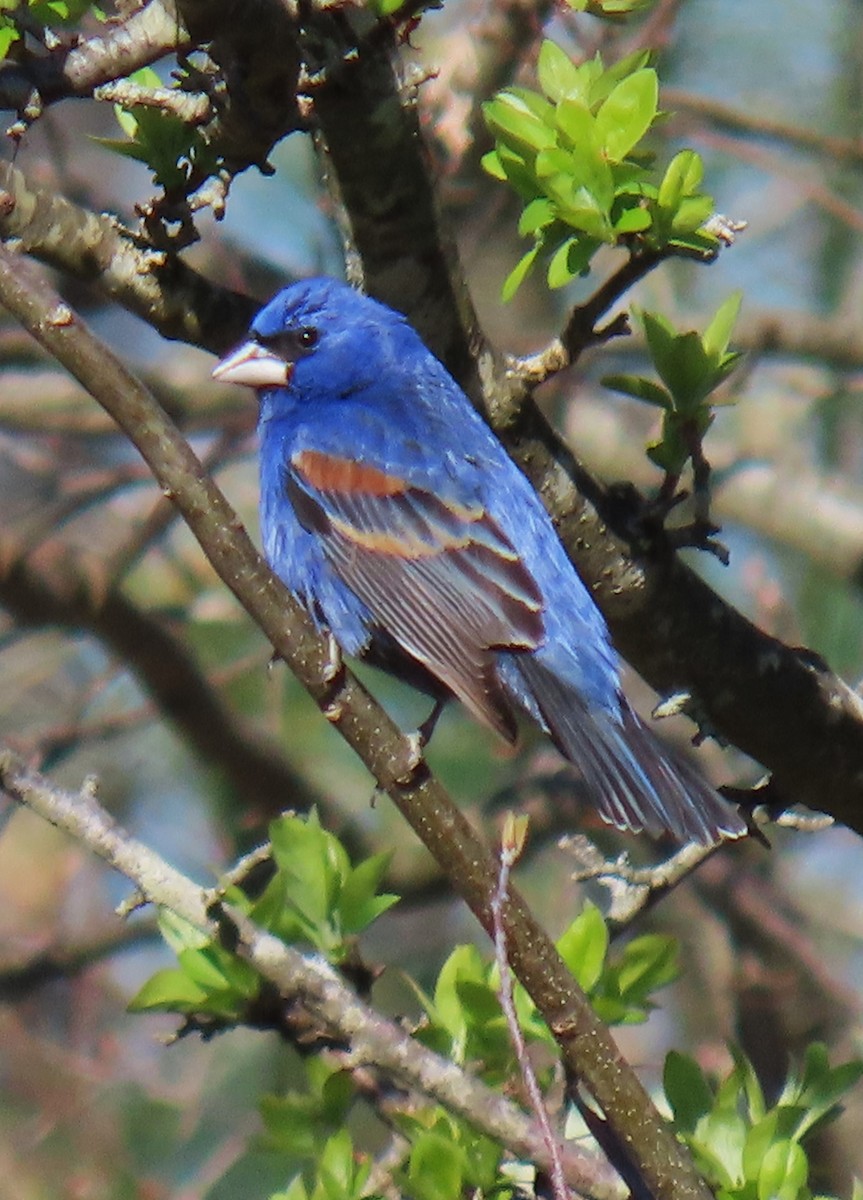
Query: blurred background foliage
(92, 1102)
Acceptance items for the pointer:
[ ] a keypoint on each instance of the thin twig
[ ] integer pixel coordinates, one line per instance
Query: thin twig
(632, 890)
(509, 854)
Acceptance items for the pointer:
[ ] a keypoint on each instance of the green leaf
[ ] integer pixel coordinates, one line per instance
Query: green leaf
(314, 864)
(689, 378)
(720, 1137)
(717, 335)
(519, 273)
(692, 214)
(640, 388)
(435, 1168)
(463, 965)
(340, 1176)
(359, 904)
(584, 211)
(296, 1190)
(627, 114)
(633, 220)
(203, 968)
(686, 1091)
(748, 1082)
(479, 1002)
(510, 118)
(493, 166)
(554, 161)
(661, 342)
(9, 35)
(682, 177)
(760, 1137)
(624, 67)
(170, 990)
(584, 946)
(521, 177)
(536, 216)
(557, 74)
(649, 962)
(179, 933)
(783, 1173)
(576, 122)
(670, 452)
(559, 273)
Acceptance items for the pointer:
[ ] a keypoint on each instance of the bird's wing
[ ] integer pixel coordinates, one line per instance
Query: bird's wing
(439, 576)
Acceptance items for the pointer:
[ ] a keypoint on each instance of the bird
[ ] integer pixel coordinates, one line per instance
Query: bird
(393, 513)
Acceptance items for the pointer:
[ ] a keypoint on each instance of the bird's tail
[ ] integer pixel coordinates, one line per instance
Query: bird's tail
(637, 783)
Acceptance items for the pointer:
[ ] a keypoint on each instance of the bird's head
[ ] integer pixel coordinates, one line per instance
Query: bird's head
(314, 337)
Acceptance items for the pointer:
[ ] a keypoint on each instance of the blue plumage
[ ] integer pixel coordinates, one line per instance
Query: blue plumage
(390, 509)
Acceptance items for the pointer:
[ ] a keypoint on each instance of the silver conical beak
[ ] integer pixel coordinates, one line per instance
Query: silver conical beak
(254, 366)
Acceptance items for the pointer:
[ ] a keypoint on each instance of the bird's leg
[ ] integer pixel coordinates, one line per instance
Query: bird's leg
(427, 727)
(417, 742)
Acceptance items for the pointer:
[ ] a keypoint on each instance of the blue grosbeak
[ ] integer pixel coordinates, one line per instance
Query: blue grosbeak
(395, 516)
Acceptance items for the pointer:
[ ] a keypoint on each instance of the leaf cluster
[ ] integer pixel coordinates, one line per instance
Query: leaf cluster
(315, 898)
(443, 1155)
(747, 1149)
(175, 150)
(339, 1175)
(464, 1020)
(574, 154)
(691, 366)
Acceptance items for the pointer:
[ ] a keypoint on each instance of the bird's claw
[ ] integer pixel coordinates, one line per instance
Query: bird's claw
(411, 759)
(334, 664)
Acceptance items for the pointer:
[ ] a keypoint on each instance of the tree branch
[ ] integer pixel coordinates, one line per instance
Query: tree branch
(96, 248)
(34, 81)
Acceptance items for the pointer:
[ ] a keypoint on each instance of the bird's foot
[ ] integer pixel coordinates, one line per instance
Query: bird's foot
(409, 760)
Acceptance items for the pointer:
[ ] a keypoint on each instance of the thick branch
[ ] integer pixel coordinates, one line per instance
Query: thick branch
(96, 248)
(144, 37)
(588, 1050)
(383, 185)
(254, 43)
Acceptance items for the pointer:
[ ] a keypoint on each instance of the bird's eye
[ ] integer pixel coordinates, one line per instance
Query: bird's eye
(291, 344)
(307, 337)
